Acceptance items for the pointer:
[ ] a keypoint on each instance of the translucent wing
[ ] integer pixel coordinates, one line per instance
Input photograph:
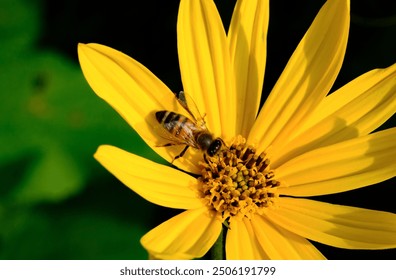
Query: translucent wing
(177, 134)
(188, 103)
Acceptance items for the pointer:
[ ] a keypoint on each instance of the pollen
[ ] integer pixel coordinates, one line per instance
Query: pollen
(238, 182)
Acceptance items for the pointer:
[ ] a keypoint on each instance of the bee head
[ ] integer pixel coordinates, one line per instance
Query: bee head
(214, 147)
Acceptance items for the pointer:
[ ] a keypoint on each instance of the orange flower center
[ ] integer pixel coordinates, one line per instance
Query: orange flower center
(237, 182)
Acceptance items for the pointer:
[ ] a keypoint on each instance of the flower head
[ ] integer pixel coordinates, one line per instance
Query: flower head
(303, 142)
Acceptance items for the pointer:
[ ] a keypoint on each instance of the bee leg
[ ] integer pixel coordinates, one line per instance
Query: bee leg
(205, 159)
(181, 154)
(166, 145)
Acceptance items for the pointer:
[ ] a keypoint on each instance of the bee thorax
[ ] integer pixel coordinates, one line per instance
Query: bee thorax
(204, 140)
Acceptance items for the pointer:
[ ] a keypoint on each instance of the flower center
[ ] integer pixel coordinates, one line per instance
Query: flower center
(237, 182)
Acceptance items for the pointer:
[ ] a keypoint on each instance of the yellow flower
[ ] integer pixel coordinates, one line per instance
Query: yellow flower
(301, 143)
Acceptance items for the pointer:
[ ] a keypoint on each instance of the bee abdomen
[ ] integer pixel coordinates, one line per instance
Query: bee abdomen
(171, 121)
(161, 116)
(166, 117)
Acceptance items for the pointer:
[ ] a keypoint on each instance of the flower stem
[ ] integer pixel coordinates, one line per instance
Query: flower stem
(217, 250)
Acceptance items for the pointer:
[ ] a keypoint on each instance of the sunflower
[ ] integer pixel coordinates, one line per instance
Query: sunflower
(303, 142)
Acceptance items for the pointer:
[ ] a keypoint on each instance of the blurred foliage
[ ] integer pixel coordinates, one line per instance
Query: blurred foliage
(51, 123)
(56, 201)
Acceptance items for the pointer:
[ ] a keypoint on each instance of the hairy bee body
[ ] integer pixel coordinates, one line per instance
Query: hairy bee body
(181, 130)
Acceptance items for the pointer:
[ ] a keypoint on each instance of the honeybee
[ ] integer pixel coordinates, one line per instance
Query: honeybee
(191, 132)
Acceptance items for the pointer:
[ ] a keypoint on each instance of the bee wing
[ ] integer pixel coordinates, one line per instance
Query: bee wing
(185, 137)
(188, 103)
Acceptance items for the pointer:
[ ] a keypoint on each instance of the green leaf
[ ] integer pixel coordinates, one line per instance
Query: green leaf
(52, 177)
(19, 27)
(63, 234)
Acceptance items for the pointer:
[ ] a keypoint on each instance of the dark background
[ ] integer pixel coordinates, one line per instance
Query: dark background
(56, 201)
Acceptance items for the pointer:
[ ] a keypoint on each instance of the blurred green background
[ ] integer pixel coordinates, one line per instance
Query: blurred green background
(56, 201)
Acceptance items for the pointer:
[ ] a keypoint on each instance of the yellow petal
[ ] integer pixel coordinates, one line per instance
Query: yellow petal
(135, 93)
(241, 242)
(205, 64)
(188, 235)
(156, 183)
(336, 225)
(281, 244)
(354, 110)
(307, 77)
(341, 167)
(248, 46)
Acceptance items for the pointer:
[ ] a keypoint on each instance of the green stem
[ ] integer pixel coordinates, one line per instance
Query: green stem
(217, 250)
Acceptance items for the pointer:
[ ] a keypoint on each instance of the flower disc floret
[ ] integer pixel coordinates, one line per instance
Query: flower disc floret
(237, 182)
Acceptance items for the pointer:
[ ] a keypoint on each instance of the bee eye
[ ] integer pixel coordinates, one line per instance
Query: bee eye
(214, 147)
